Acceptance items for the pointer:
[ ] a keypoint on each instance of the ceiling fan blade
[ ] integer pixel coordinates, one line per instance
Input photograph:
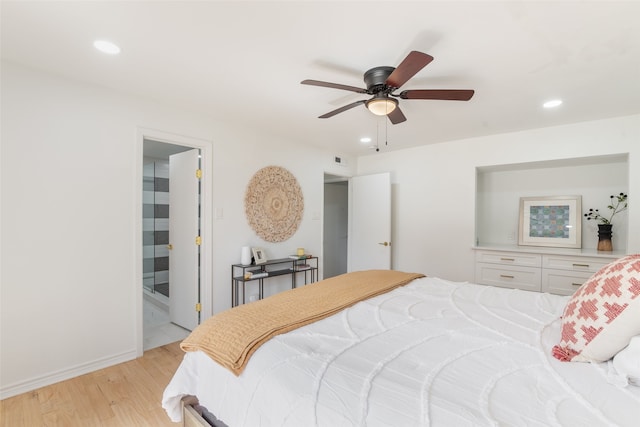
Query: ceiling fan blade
(333, 85)
(341, 109)
(414, 62)
(443, 94)
(396, 116)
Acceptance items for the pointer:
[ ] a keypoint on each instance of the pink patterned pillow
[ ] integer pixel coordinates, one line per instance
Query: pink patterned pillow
(603, 315)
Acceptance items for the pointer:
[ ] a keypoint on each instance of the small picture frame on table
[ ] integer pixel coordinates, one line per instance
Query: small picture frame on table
(552, 221)
(259, 255)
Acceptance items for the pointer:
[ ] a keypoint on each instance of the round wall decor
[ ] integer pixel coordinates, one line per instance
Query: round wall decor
(274, 204)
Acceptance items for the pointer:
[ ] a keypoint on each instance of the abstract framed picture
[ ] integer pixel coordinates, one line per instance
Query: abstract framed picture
(553, 221)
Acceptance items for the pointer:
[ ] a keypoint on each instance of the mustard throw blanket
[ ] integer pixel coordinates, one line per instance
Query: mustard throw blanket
(231, 337)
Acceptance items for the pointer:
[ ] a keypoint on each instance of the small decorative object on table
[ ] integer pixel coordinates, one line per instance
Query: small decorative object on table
(245, 255)
(259, 256)
(617, 205)
(303, 256)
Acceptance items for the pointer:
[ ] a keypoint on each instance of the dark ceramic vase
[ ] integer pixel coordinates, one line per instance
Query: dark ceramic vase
(604, 237)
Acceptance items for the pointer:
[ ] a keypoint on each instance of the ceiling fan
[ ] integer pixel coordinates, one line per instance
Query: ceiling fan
(383, 81)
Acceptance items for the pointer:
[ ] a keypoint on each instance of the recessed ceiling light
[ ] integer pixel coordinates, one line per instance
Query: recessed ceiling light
(106, 47)
(552, 104)
(365, 140)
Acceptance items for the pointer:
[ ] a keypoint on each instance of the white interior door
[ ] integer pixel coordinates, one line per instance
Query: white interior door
(184, 226)
(370, 222)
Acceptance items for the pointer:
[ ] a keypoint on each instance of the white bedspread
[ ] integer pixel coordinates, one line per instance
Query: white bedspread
(432, 353)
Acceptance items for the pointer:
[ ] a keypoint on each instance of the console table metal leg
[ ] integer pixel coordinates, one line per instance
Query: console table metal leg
(234, 293)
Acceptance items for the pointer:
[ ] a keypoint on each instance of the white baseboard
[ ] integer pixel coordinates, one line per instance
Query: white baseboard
(15, 389)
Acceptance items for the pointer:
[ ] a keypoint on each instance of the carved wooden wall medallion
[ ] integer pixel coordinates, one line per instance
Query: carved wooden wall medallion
(274, 204)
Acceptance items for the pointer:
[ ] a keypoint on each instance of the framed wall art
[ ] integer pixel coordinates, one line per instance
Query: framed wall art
(553, 221)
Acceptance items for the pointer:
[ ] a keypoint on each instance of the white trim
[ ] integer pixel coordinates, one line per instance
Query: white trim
(206, 249)
(64, 374)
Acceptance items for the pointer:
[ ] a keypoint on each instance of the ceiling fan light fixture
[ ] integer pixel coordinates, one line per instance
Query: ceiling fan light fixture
(382, 105)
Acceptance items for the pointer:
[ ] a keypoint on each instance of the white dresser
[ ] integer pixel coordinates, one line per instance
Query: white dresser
(557, 271)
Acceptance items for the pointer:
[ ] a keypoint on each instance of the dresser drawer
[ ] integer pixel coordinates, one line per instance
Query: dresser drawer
(518, 277)
(564, 262)
(563, 282)
(508, 258)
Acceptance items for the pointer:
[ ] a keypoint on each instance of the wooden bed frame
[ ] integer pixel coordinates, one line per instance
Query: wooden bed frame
(193, 415)
(191, 418)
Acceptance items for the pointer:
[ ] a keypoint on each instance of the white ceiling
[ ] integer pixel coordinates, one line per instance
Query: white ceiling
(243, 61)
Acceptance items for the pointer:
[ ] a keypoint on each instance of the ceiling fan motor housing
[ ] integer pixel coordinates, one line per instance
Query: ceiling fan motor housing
(376, 79)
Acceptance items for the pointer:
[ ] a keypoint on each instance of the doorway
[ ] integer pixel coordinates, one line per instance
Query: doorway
(335, 225)
(357, 223)
(158, 329)
(160, 141)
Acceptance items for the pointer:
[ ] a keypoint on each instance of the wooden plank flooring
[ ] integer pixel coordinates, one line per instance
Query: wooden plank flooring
(128, 394)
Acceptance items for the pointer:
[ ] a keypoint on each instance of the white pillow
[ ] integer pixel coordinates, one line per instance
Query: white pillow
(627, 362)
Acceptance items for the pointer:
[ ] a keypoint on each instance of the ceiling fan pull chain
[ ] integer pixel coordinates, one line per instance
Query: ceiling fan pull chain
(386, 129)
(378, 134)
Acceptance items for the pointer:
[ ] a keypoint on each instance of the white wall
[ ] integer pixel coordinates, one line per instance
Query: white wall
(434, 187)
(71, 169)
(71, 173)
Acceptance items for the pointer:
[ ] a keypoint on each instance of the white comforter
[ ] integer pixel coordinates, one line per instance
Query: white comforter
(431, 353)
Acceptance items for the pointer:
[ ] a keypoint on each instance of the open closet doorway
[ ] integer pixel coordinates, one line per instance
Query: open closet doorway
(158, 304)
(335, 225)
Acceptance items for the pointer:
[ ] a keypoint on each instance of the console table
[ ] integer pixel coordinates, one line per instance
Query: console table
(293, 267)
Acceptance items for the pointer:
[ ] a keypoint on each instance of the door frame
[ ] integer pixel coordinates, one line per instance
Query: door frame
(206, 227)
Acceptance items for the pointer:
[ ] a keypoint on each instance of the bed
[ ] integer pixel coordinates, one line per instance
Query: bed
(428, 353)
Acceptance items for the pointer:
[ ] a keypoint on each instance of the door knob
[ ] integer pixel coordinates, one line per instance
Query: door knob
(169, 246)
(385, 243)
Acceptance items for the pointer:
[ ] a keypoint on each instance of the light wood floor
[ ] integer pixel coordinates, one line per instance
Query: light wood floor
(128, 394)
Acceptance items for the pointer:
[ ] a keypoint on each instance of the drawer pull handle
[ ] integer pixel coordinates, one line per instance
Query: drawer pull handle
(577, 284)
(504, 276)
(581, 265)
(507, 259)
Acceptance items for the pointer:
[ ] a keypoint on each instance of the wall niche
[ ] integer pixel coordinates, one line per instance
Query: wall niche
(499, 188)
